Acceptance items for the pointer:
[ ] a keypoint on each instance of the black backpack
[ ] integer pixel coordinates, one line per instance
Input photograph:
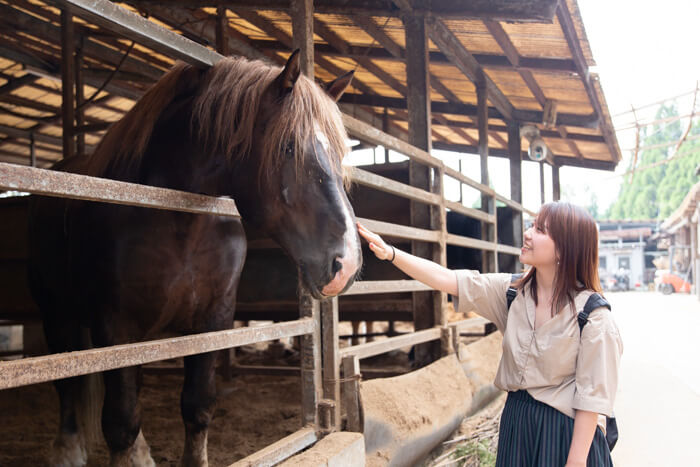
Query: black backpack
(594, 301)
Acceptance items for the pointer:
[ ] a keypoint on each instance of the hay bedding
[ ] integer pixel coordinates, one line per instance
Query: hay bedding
(474, 444)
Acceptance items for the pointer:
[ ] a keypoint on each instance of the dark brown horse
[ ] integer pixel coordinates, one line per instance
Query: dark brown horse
(267, 137)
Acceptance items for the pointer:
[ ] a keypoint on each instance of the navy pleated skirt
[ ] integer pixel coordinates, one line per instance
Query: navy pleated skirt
(535, 434)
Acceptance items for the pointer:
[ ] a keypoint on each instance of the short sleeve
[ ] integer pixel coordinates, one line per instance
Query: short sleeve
(484, 294)
(598, 364)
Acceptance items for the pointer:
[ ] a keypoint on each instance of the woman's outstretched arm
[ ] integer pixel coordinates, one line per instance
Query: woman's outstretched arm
(423, 270)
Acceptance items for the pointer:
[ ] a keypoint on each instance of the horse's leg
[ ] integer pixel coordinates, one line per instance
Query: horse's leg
(68, 448)
(121, 418)
(355, 332)
(197, 405)
(370, 330)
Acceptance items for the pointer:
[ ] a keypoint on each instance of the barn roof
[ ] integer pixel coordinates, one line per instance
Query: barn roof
(536, 67)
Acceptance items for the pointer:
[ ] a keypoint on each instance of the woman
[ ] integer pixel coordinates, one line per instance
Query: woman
(561, 379)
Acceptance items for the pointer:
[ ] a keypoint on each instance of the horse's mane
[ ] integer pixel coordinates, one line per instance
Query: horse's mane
(227, 100)
(122, 147)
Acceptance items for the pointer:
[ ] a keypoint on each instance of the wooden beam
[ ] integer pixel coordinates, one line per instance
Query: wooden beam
(46, 31)
(371, 99)
(187, 21)
(556, 190)
(572, 39)
(504, 129)
(460, 57)
(518, 10)
(491, 61)
(500, 35)
(16, 83)
(270, 29)
(64, 365)
(339, 44)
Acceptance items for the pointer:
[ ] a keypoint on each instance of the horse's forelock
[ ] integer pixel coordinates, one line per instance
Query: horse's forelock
(229, 102)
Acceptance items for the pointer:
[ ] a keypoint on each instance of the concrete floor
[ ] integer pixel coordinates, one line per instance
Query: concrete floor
(658, 400)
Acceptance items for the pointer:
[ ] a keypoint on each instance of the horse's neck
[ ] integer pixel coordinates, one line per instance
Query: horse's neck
(175, 160)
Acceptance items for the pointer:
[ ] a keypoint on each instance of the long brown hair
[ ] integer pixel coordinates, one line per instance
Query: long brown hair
(575, 237)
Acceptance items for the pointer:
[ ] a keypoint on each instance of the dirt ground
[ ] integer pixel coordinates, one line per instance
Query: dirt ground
(252, 412)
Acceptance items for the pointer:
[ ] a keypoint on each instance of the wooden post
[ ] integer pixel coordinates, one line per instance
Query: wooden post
(516, 183)
(331, 359)
(351, 394)
(541, 182)
(302, 13)
(556, 190)
(32, 150)
(426, 311)
(222, 48)
(487, 202)
(79, 98)
(221, 30)
(311, 367)
(67, 83)
(385, 129)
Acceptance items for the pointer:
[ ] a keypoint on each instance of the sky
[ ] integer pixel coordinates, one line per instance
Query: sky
(645, 51)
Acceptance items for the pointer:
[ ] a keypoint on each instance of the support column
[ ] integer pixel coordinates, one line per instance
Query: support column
(427, 306)
(488, 233)
(311, 365)
(302, 13)
(221, 26)
(221, 30)
(79, 100)
(32, 150)
(67, 83)
(556, 189)
(331, 359)
(541, 182)
(516, 184)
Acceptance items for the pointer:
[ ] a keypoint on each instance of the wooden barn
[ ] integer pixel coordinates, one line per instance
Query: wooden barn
(497, 79)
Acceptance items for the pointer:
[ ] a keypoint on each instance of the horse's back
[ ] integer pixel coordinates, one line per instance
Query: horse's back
(158, 268)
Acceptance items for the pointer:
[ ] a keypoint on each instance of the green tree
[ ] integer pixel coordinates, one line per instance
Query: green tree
(655, 192)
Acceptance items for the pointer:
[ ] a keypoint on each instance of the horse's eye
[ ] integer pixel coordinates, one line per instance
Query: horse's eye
(289, 150)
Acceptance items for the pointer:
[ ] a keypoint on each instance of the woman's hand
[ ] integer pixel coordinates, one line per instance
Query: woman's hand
(380, 249)
(429, 273)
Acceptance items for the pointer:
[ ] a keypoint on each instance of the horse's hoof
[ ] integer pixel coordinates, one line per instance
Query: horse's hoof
(68, 450)
(141, 453)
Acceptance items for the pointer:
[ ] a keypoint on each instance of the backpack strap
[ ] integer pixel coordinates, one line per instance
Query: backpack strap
(512, 292)
(594, 301)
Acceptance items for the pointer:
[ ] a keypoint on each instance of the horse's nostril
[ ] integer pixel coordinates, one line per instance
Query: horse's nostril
(337, 266)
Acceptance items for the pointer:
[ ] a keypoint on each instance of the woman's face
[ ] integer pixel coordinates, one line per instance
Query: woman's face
(538, 247)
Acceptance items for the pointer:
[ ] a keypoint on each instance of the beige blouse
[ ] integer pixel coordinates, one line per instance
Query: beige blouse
(556, 363)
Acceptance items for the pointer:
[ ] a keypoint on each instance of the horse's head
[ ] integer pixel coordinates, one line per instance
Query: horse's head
(299, 198)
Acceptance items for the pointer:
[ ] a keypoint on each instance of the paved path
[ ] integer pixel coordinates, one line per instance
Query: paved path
(658, 400)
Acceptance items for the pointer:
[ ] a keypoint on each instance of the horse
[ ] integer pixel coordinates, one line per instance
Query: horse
(104, 274)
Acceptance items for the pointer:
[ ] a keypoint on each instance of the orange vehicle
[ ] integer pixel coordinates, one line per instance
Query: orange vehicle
(669, 282)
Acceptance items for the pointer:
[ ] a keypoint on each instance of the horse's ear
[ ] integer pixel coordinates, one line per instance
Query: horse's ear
(337, 87)
(290, 74)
